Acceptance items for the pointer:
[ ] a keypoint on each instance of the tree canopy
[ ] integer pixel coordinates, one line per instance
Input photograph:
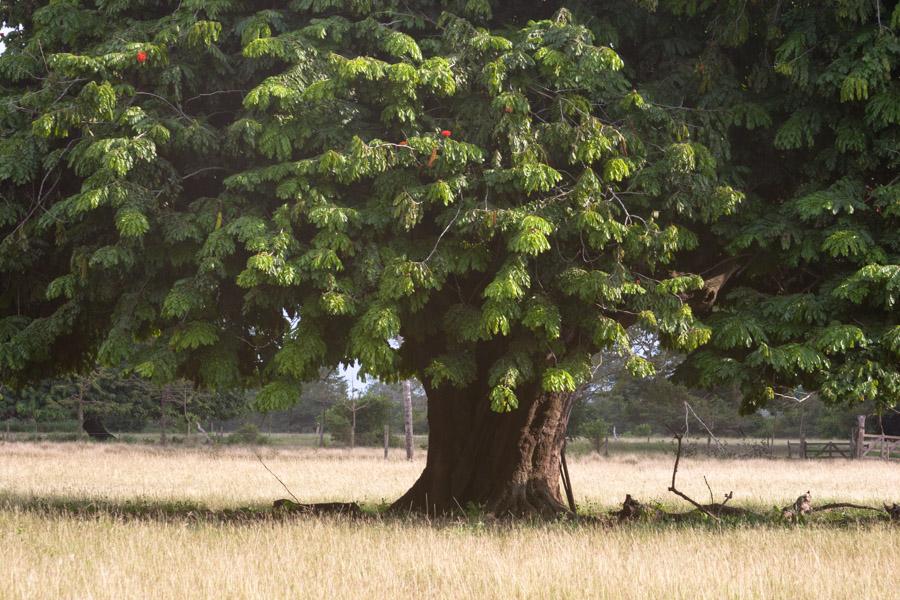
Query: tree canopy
(242, 195)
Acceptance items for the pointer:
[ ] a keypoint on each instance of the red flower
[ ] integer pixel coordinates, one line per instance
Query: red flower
(404, 143)
(508, 109)
(141, 56)
(446, 133)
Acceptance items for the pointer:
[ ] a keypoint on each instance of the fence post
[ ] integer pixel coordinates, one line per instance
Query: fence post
(860, 435)
(803, 446)
(387, 439)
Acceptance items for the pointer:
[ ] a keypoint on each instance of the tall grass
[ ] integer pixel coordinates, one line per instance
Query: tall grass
(228, 477)
(96, 555)
(105, 558)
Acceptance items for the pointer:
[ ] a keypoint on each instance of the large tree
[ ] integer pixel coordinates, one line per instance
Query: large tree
(472, 194)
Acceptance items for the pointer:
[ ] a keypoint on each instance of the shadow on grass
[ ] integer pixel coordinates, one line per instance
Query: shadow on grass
(176, 511)
(190, 512)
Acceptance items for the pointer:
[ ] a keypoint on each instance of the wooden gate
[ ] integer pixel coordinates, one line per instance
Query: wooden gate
(866, 445)
(886, 447)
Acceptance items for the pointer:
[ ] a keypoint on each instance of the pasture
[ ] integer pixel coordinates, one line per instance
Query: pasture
(103, 554)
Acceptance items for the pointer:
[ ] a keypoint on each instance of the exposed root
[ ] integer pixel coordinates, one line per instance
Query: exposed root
(530, 499)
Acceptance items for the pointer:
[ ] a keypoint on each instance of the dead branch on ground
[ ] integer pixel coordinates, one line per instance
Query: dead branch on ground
(632, 509)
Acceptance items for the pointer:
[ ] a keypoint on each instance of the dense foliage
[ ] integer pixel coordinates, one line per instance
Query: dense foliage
(120, 403)
(241, 194)
(806, 95)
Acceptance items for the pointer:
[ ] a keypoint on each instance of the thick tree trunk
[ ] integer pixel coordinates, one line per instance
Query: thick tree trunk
(506, 463)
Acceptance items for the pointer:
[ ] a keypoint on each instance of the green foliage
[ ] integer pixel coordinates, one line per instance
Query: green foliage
(281, 190)
(373, 412)
(241, 195)
(816, 240)
(643, 430)
(248, 434)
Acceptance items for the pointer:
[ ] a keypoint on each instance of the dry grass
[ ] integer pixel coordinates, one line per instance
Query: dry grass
(228, 477)
(48, 556)
(72, 558)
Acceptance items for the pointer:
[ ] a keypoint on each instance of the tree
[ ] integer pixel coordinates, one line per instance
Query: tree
(804, 100)
(365, 414)
(642, 430)
(479, 195)
(595, 430)
(319, 396)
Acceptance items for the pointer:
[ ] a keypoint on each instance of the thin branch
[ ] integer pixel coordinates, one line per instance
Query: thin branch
(443, 233)
(680, 494)
(259, 458)
(214, 94)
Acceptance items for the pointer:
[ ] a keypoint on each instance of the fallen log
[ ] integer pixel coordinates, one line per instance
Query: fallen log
(351, 509)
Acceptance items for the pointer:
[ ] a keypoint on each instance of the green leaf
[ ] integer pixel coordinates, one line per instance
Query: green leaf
(191, 336)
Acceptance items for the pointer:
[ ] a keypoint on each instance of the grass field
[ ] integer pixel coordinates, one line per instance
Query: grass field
(58, 555)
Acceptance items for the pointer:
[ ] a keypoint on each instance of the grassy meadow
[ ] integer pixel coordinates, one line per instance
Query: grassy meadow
(101, 554)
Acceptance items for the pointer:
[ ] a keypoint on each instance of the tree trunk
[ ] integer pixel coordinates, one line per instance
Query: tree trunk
(81, 415)
(163, 422)
(321, 430)
(506, 463)
(408, 418)
(353, 425)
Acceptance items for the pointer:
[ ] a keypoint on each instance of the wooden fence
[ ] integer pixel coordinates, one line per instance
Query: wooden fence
(886, 447)
(805, 449)
(868, 445)
(861, 445)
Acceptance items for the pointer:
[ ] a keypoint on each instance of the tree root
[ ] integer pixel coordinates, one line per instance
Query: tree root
(527, 500)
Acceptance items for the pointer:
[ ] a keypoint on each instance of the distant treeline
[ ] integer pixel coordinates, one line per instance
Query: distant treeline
(625, 405)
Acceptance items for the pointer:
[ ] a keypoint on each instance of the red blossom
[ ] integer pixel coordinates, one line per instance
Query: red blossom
(404, 143)
(141, 56)
(446, 133)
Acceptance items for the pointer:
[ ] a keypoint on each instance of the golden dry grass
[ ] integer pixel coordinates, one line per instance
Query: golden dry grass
(58, 556)
(228, 477)
(103, 558)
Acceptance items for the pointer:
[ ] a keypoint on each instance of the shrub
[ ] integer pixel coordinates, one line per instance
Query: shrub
(248, 434)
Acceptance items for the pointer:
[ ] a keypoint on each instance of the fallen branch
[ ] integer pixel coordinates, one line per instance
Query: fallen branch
(847, 505)
(350, 509)
(680, 494)
(633, 509)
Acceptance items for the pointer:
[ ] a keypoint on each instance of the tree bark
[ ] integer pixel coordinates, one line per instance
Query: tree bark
(163, 422)
(353, 425)
(505, 463)
(80, 414)
(408, 418)
(322, 428)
